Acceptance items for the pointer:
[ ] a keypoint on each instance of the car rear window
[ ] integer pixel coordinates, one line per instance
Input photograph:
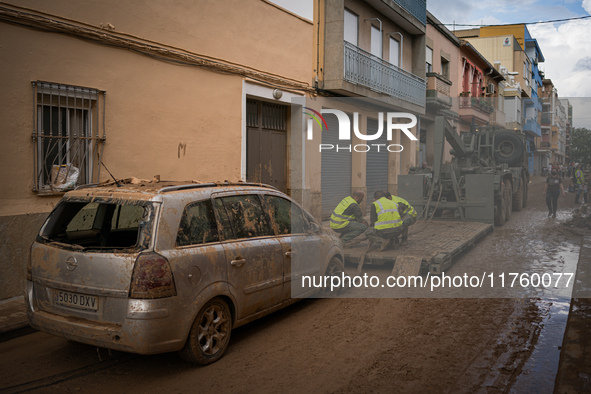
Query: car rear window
(98, 224)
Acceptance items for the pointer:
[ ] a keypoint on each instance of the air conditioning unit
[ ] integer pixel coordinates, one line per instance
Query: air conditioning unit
(490, 88)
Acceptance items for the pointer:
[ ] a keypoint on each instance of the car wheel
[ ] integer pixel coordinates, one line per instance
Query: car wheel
(335, 268)
(209, 335)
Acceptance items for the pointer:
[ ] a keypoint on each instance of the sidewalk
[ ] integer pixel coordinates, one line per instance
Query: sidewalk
(12, 314)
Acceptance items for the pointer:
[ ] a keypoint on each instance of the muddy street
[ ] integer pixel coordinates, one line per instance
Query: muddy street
(486, 344)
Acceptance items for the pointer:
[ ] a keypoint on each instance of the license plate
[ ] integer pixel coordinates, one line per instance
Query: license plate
(74, 300)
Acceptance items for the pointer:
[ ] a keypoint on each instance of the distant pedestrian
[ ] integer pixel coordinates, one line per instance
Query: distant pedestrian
(552, 191)
(580, 183)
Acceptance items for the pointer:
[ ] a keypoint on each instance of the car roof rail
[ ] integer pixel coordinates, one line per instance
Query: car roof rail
(212, 184)
(87, 186)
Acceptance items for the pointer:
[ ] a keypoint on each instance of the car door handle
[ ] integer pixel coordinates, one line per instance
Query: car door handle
(288, 253)
(237, 262)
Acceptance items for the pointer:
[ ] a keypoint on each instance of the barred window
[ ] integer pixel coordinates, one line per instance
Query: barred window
(69, 136)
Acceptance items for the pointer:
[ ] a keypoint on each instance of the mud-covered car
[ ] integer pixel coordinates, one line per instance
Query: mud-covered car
(170, 266)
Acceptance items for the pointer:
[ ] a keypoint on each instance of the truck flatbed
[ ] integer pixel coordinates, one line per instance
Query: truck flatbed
(431, 247)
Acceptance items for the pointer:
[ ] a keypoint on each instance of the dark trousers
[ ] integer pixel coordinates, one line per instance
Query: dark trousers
(552, 200)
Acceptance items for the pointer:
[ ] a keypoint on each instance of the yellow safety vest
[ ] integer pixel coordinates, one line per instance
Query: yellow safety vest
(337, 219)
(388, 216)
(579, 176)
(408, 211)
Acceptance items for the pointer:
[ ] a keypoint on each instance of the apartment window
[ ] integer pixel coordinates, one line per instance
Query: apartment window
(68, 143)
(351, 27)
(445, 68)
(429, 59)
(394, 52)
(376, 42)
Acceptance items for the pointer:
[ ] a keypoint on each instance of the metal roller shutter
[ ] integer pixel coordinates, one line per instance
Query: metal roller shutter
(336, 169)
(376, 163)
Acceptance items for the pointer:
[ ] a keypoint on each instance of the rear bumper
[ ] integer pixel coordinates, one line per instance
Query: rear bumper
(148, 327)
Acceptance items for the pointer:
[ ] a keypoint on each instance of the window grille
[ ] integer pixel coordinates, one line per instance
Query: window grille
(69, 136)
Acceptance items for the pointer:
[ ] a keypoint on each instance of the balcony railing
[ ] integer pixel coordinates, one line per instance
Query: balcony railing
(365, 69)
(417, 8)
(481, 103)
(533, 126)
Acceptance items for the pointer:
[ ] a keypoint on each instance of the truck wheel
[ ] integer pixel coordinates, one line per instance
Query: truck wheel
(508, 149)
(525, 186)
(209, 335)
(500, 208)
(509, 203)
(518, 198)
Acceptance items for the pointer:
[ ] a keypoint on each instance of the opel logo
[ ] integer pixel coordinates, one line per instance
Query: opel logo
(71, 263)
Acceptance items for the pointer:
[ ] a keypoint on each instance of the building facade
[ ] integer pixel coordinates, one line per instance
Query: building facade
(145, 90)
(142, 89)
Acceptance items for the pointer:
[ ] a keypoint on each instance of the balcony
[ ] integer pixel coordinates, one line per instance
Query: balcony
(533, 128)
(545, 145)
(418, 9)
(364, 69)
(438, 92)
(546, 119)
(477, 109)
(498, 118)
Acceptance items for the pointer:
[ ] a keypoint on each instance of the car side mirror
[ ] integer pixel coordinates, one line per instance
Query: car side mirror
(315, 228)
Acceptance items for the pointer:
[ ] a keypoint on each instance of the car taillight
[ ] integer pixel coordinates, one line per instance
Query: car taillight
(152, 277)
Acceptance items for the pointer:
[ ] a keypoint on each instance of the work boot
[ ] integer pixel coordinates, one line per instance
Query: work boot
(549, 214)
(554, 215)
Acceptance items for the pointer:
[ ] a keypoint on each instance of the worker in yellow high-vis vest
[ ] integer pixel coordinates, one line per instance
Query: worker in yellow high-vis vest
(407, 214)
(389, 219)
(347, 218)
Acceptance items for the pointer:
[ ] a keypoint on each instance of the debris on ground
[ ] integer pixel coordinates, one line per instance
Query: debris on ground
(580, 223)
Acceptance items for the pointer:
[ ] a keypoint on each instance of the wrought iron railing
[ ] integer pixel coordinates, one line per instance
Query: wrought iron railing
(365, 69)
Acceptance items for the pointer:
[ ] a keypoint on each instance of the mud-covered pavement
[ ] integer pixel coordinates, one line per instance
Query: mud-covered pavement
(353, 345)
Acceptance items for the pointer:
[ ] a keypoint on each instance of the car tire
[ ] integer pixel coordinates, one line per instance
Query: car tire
(335, 268)
(209, 335)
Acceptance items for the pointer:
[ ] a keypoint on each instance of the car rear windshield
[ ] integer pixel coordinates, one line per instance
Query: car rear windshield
(99, 224)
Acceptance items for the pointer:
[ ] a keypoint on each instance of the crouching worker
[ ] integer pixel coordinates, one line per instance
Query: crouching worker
(386, 223)
(407, 214)
(347, 218)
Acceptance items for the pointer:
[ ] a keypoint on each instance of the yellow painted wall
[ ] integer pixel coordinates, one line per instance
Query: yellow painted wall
(518, 31)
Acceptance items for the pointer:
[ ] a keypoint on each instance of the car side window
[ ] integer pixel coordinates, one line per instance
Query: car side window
(198, 225)
(245, 215)
(287, 216)
(224, 223)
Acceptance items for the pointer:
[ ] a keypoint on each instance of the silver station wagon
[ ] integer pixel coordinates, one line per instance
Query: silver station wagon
(170, 266)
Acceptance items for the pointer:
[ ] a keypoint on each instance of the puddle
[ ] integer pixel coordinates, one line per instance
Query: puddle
(539, 372)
